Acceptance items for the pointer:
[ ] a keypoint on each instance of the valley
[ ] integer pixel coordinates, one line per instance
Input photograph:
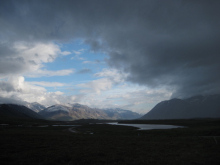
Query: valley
(78, 134)
(110, 144)
(70, 68)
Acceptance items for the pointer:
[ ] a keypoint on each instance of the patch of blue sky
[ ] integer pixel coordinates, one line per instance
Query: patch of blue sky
(81, 58)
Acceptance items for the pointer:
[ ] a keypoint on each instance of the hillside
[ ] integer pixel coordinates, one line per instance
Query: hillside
(36, 107)
(13, 110)
(118, 113)
(193, 107)
(78, 111)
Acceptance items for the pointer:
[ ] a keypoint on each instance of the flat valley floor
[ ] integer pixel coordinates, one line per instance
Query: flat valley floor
(96, 144)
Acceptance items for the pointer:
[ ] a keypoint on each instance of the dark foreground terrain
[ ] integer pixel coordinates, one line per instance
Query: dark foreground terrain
(109, 144)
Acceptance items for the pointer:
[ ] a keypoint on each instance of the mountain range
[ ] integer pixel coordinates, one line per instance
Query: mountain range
(78, 111)
(64, 112)
(117, 113)
(36, 107)
(193, 107)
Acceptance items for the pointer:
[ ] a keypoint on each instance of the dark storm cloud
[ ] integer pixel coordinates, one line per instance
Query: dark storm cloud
(8, 87)
(169, 43)
(12, 100)
(8, 58)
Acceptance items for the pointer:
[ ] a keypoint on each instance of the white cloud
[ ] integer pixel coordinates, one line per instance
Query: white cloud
(58, 93)
(77, 54)
(111, 91)
(100, 93)
(48, 84)
(29, 58)
(108, 90)
(37, 52)
(49, 73)
(112, 74)
(132, 97)
(109, 78)
(96, 85)
(89, 62)
(64, 53)
(92, 62)
(21, 91)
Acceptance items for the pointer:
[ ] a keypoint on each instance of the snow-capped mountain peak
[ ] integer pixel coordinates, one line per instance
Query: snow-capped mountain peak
(57, 107)
(35, 106)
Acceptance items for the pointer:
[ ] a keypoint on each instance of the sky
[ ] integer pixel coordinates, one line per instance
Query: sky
(108, 54)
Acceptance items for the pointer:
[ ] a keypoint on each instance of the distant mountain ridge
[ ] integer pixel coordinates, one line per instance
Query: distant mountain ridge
(78, 111)
(36, 107)
(118, 113)
(193, 107)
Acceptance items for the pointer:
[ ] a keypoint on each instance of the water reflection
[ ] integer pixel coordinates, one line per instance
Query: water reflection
(65, 125)
(149, 126)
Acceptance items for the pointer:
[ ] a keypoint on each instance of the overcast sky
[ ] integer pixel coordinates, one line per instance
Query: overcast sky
(120, 53)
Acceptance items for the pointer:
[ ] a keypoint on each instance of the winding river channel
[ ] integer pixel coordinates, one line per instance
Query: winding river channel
(149, 126)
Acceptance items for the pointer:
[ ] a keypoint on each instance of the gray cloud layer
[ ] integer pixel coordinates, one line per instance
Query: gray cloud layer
(169, 43)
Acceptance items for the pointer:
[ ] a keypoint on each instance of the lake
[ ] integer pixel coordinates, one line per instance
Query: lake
(149, 126)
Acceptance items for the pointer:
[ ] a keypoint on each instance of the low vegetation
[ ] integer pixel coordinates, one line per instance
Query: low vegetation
(198, 143)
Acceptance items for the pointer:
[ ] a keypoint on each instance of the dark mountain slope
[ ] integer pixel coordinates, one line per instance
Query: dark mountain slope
(194, 107)
(12, 110)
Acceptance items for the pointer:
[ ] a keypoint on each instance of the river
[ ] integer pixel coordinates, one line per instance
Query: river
(149, 126)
